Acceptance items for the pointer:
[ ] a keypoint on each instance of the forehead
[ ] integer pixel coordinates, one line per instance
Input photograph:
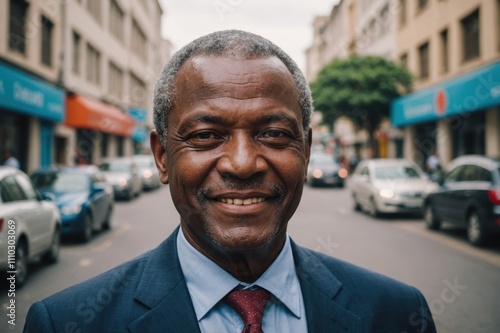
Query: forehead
(207, 77)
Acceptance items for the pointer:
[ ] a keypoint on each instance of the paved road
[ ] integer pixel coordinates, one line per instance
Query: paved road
(461, 283)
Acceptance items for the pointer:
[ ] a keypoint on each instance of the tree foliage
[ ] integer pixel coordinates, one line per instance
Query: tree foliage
(360, 88)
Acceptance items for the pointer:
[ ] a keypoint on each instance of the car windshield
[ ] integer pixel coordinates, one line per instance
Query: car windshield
(115, 167)
(395, 172)
(324, 159)
(61, 182)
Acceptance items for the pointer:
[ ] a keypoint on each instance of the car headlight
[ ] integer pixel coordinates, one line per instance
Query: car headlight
(147, 174)
(343, 173)
(71, 210)
(386, 193)
(122, 182)
(317, 173)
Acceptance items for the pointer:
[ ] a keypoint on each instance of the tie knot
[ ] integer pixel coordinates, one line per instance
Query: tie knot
(249, 304)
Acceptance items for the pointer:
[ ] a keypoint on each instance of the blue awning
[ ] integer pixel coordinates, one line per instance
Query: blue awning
(29, 95)
(140, 134)
(472, 92)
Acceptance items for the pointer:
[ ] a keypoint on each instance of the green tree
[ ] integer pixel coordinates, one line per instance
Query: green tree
(360, 88)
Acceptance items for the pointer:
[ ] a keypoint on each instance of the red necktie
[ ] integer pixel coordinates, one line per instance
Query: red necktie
(249, 304)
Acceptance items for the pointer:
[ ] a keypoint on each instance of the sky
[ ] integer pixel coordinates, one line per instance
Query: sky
(287, 23)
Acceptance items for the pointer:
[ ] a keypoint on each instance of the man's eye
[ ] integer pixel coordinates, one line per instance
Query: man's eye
(205, 139)
(274, 134)
(204, 136)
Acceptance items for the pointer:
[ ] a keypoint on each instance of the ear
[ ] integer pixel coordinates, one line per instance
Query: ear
(308, 151)
(160, 155)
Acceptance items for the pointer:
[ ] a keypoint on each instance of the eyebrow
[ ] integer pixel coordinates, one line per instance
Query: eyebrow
(218, 120)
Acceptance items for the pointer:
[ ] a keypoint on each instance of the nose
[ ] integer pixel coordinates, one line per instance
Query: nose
(242, 158)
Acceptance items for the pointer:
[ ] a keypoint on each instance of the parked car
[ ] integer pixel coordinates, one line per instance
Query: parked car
(388, 186)
(149, 173)
(323, 170)
(84, 198)
(123, 174)
(32, 222)
(468, 196)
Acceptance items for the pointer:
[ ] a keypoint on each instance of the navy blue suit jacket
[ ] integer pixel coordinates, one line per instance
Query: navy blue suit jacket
(149, 294)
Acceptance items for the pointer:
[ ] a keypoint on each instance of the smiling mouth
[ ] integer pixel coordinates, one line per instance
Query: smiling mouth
(244, 202)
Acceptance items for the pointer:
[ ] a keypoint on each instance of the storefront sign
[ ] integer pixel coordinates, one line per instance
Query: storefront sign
(26, 94)
(472, 92)
(140, 132)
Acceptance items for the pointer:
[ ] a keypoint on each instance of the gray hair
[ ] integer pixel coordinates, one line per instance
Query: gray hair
(234, 44)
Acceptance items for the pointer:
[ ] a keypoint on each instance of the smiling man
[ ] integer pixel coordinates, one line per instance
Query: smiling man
(232, 140)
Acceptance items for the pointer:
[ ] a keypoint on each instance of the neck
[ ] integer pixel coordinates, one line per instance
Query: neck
(245, 266)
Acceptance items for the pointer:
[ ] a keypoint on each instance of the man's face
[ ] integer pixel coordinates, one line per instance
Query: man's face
(236, 159)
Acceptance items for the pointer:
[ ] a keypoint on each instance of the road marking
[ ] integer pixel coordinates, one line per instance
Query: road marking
(103, 246)
(459, 245)
(122, 229)
(85, 262)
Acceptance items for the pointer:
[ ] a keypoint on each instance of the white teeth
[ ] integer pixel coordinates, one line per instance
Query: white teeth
(248, 201)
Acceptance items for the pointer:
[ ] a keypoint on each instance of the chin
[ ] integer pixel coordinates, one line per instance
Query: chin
(244, 238)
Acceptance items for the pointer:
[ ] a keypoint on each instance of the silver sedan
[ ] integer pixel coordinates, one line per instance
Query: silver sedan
(389, 186)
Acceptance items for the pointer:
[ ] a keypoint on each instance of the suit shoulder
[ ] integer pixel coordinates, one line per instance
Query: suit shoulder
(114, 281)
(356, 277)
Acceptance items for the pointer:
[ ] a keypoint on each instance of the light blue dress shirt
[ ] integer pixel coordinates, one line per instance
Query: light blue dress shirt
(207, 284)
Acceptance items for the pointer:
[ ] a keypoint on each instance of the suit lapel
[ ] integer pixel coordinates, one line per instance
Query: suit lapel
(163, 290)
(319, 288)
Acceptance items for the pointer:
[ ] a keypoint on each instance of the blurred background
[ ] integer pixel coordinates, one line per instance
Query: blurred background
(404, 176)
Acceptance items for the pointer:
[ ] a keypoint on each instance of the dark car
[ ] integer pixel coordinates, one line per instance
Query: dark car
(84, 198)
(467, 196)
(323, 170)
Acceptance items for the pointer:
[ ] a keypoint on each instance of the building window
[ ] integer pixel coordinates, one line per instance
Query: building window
(470, 32)
(46, 48)
(443, 38)
(423, 54)
(138, 92)
(404, 60)
(421, 4)
(402, 12)
(116, 19)
(93, 64)
(76, 53)
(17, 25)
(94, 8)
(139, 41)
(115, 81)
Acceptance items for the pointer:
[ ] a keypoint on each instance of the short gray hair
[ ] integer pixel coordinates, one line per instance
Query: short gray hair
(234, 44)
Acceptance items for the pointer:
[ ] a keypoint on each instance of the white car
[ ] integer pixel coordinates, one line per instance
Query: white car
(149, 173)
(29, 224)
(389, 186)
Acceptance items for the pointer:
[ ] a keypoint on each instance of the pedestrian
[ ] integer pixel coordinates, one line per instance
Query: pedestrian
(433, 166)
(9, 159)
(232, 140)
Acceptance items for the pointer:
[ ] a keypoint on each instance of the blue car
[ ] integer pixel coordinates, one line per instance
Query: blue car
(84, 198)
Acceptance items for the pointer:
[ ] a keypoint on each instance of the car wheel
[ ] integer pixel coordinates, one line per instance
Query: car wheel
(21, 264)
(475, 230)
(357, 206)
(130, 195)
(372, 208)
(431, 221)
(53, 254)
(86, 234)
(106, 225)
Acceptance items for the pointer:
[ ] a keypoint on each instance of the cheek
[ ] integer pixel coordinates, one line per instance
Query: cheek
(189, 169)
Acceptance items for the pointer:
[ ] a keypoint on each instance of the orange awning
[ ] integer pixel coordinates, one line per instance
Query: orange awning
(85, 112)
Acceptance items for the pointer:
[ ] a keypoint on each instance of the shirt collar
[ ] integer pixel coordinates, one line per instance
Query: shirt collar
(208, 283)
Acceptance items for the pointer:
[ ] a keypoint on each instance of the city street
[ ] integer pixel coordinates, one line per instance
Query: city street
(459, 282)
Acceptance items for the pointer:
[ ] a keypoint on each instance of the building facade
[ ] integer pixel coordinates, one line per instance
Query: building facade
(32, 102)
(453, 49)
(77, 78)
(361, 27)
